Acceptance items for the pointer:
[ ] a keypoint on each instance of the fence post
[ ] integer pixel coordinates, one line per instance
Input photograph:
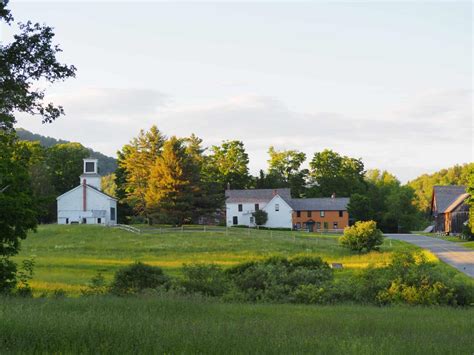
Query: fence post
(182, 229)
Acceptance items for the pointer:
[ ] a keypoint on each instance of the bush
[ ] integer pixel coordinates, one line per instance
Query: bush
(206, 279)
(410, 279)
(138, 277)
(362, 235)
(7, 275)
(261, 217)
(278, 279)
(97, 286)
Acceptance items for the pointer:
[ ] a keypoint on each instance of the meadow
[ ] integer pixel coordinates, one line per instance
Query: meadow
(150, 324)
(67, 257)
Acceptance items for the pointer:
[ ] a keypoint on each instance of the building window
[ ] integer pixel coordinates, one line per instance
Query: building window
(298, 225)
(334, 225)
(84, 221)
(321, 213)
(277, 207)
(308, 213)
(318, 225)
(257, 207)
(240, 208)
(112, 213)
(99, 220)
(67, 220)
(251, 219)
(341, 213)
(298, 213)
(235, 220)
(326, 225)
(90, 167)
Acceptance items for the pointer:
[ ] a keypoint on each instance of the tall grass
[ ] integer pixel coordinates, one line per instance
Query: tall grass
(185, 325)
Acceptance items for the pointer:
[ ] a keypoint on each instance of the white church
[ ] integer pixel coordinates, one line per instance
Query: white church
(86, 203)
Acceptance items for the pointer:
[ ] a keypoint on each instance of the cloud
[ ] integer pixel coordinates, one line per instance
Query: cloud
(427, 132)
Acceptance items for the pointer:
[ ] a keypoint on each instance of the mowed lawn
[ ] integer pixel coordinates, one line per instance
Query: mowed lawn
(67, 257)
(155, 325)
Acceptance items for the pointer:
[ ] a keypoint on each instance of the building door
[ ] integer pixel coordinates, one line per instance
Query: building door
(235, 220)
(99, 220)
(310, 226)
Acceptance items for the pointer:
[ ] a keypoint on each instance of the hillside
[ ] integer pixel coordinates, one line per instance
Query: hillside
(107, 164)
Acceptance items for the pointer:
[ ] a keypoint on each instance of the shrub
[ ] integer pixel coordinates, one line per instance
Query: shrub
(7, 275)
(97, 286)
(137, 277)
(362, 235)
(277, 279)
(206, 279)
(261, 217)
(410, 279)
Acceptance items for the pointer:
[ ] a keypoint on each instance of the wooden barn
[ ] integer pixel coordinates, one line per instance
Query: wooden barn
(449, 208)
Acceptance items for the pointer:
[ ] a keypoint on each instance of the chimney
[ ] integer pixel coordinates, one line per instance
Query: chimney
(84, 195)
(333, 195)
(275, 192)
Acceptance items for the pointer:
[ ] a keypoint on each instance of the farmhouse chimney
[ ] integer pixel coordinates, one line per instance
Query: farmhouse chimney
(84, 195)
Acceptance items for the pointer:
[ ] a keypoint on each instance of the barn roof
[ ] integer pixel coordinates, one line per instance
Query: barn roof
(88, 186)
(256, 195)
(445, 196)
(320, 204)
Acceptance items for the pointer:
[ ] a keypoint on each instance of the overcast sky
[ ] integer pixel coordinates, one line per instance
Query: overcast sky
(390, 83)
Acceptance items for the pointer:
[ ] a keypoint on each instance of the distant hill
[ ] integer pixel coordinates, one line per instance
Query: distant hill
(107, 164)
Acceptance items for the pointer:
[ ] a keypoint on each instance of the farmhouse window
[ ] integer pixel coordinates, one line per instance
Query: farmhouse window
(235, 220)
(298, 225)
(112, 213)
(257, 207)
(251, 219)
(298, 213)
(321, 213)
(334, 225)
(240, 208)
(341, 213)
(308, 213)
(326, 225)
(277, 207)
(318, 225)
(67, 220)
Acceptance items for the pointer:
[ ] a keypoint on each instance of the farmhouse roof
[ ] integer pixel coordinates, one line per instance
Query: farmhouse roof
(445, 196)
(256, 195)
(320, 204)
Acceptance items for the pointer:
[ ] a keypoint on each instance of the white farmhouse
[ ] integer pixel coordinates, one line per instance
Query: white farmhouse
(86, 203)
(241, 204)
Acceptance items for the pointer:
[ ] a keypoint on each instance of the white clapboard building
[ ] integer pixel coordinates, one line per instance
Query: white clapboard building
(241, 204)
(86, 203)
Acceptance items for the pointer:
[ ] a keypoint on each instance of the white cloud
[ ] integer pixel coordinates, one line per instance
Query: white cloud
(425, 133)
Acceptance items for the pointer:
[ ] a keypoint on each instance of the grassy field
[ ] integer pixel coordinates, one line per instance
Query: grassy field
(182, 325)
(67, 257)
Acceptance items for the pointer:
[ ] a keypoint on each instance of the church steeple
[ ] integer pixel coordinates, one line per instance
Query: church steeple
(90, 175)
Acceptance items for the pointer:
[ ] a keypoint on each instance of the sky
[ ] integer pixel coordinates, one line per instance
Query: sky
(388, 82)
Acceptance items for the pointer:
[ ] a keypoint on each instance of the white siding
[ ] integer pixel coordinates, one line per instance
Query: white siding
(280, 218)
(232, 210)
(98, 206)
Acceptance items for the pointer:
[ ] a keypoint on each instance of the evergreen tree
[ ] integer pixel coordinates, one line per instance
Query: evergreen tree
(172, 187)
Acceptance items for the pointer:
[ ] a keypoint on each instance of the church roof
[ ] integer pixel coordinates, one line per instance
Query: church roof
(89, 186)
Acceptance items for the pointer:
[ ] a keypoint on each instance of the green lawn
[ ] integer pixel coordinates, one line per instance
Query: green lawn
(187, 325)
(67, 257)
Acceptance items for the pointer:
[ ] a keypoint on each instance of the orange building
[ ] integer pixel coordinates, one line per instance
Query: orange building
(320, 213)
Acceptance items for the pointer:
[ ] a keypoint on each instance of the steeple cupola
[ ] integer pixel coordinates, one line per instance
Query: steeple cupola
(90, 175)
